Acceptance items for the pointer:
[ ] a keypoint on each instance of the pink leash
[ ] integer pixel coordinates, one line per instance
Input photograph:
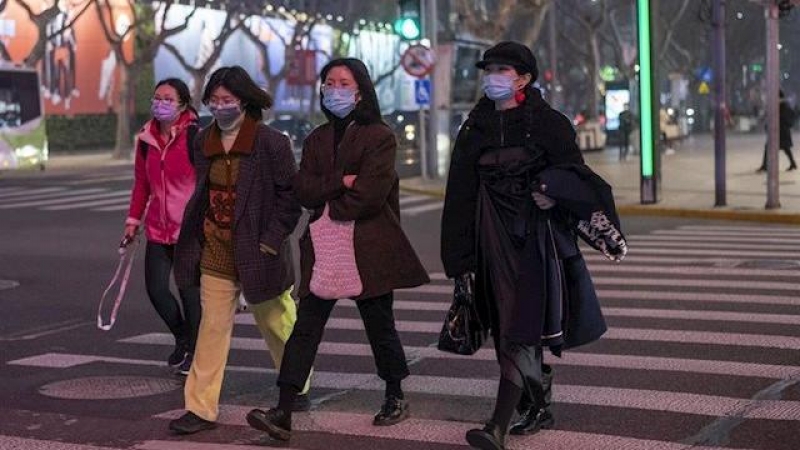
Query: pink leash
(125, 260)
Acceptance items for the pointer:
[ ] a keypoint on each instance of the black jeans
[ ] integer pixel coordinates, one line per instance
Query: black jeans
(158, 260)
(313, 314)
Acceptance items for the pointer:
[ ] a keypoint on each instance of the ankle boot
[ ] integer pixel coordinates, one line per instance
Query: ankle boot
(536, 415)
(490, 437)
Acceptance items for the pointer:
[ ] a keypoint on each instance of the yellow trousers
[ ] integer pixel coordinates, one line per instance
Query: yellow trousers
(219, 297)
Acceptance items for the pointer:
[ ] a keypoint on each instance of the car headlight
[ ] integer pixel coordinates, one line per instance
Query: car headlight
(27, 151)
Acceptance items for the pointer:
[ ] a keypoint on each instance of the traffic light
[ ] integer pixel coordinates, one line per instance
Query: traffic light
(409, 24)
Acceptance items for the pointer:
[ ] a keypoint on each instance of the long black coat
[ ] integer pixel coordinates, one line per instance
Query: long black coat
(786, 119)
(550, 136)
(266, 212)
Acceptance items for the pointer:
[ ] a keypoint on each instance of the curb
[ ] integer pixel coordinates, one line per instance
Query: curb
(766, 216)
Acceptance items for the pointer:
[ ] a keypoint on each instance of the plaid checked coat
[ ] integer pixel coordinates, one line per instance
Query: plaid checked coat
(266, 212)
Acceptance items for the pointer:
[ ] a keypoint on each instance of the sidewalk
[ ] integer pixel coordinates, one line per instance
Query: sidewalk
(687, 182)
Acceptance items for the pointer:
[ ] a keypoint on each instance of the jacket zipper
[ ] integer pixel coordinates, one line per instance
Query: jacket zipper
(502, 131)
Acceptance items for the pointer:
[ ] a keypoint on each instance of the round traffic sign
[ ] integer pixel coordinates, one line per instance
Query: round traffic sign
(418, 60)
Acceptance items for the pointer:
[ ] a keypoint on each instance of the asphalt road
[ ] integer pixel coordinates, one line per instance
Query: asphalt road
(703, 349)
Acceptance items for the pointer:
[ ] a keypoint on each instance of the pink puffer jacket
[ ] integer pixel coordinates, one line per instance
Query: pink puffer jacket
(164, 178)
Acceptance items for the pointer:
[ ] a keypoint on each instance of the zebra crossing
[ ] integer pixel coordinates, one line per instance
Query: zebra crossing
(704, 323)
(78, 196)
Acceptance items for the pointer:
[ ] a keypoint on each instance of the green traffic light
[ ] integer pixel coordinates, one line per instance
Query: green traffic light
(407, 28)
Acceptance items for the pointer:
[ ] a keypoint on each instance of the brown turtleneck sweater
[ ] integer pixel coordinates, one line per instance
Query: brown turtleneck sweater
(225, 149)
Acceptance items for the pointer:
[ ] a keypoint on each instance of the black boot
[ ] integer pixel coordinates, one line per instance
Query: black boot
(275, 422)
(393, 411)
(490, 437)
(493, 435)
(536, 415)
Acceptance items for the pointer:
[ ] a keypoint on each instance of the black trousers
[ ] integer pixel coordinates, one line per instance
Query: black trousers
(313, 314)
(158, 261)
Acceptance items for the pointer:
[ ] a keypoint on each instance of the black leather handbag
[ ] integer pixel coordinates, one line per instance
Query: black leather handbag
(462, 332)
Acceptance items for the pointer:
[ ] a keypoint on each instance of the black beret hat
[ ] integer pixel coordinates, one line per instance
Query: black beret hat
(512, 54)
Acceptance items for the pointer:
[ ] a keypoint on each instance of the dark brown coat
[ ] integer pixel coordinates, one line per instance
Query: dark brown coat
(384, 256)
(266, 212)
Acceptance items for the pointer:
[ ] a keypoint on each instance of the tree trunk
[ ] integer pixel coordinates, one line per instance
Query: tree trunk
(122, 149)
(197, 91)
(594, 76)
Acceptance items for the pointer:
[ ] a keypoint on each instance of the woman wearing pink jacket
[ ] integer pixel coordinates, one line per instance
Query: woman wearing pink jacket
(163, 182)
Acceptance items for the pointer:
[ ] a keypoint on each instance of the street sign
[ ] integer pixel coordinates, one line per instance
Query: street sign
(418, 60)
(422, 92)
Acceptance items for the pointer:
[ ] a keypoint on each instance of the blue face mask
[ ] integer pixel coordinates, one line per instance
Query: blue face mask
(339, 101)
(498, 86)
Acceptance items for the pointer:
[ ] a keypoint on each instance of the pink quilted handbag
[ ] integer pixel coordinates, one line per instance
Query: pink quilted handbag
(335, 274)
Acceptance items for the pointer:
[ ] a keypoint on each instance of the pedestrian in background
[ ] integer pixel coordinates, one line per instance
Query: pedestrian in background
(164, 179)
(626, 124)
(501, 230)
(235, 237)
(786, 118)
(348, 172)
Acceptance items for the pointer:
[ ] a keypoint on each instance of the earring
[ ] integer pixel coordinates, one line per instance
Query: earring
(519, 96)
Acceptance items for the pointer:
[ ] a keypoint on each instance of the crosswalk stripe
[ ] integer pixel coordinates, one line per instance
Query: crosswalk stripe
(56, 194)
(698, 297)
(406, 199)
(612, 361)
(688, 251)
(724, 233)
(687, 261)
(485, 388)
(631, 281)
(595, 268)
(413, 211)
(689, 240)
(625, 334)
(191, 445)
(14, 194)
(119, 201)
(777, 249)
(120, 207)
(758, 229)
(66, 200)
(442, 432)
(5, 190)
(20, 443)
(100, 180)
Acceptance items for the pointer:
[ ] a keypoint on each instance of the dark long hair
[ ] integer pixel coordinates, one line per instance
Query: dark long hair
(184, 95)
(235, 79)
(367, 110)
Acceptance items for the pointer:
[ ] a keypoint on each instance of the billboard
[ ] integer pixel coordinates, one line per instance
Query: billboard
(78, 69)
(196, 43)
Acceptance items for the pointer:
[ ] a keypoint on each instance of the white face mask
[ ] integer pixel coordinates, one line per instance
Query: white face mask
(498, 86)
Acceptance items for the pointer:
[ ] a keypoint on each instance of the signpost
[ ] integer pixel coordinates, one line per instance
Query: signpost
(418, 61)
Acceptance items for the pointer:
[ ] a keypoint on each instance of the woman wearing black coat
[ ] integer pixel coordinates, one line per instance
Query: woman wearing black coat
(498, 226)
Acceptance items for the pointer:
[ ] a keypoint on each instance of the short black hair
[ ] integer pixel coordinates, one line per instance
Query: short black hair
(367, 110)
(184, 95)
(235, 79)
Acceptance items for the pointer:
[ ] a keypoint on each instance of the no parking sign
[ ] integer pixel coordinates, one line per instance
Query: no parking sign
(418, 60)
